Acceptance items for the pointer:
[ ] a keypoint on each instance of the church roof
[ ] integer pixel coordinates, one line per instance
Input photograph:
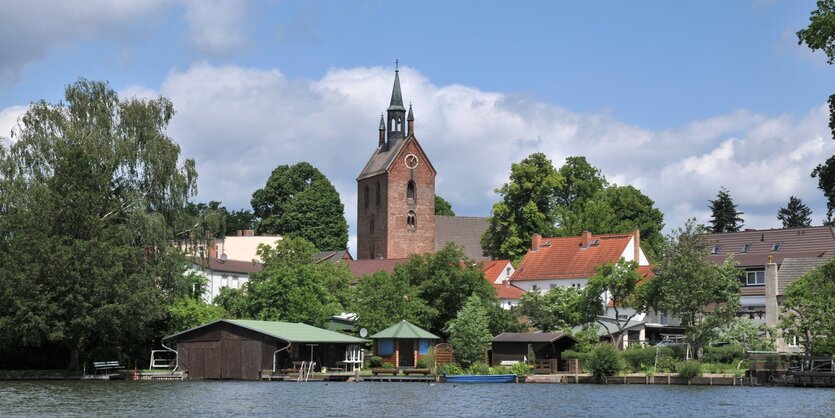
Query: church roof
(464, 231)
(382, 158)
(396, 96)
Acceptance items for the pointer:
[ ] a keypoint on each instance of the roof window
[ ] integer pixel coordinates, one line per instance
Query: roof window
(777, 246)
(715, 249)
(594, 243)
(746, 247)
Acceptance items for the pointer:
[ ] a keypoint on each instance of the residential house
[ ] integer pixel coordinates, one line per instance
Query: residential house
(771, 260)
(572, 261)
(498, 273)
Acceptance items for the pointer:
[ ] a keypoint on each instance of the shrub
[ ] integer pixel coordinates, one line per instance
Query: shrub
(423, 363)
(666, 364)
(604, 360)
(521, 369)
(689, 369)
(373, 361)
(388, 365)
(640, 358)
(478, 368)
(450, 369)
(725, 354)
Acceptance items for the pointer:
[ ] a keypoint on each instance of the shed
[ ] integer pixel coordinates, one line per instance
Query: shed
(547, 348)
(403, 344)
(241, 349)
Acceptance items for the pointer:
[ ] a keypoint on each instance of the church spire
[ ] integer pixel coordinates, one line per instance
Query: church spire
(396, 112)
(410, 121)
(382, 131)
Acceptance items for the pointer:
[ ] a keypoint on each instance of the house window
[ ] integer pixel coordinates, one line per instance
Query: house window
(792, 341)
(410, 190)
(746, 247)
(534, 288)
(715, 249)
(594, 243)
(385, 347)
(508, 271)
(664, 319)
(553, 286)
(777, 246)
(755, 278)
(423, 348)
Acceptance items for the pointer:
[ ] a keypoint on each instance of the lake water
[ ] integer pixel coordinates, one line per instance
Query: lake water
(213, 398)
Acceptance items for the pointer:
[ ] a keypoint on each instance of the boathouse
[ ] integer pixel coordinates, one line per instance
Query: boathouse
(547, 348)
(241, 349)
(403, 344)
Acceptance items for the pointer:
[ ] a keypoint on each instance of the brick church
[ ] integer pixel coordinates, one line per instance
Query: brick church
(396, 196)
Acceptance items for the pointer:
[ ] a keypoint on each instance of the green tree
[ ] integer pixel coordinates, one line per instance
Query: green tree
(445, 280)
(380, 300)
(808, 312)
(92, 193)
(527, 208)
(820, 34)
(725, 217)
(299, 201)
(742, 331)
(468, 332)
(293, 287)
(704, 295)
(186, 313)
(795, 214)
(238, 220)
(581, 183)
(587, 202)
(557, 309)
(620, 283)
(442, 207)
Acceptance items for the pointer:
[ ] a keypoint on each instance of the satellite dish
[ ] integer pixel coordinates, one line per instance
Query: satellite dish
(223, 257)
(363, 332)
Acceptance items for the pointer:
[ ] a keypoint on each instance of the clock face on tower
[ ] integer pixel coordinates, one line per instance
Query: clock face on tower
(411, 161)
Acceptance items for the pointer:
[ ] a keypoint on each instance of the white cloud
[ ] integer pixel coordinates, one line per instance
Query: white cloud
(216, 25)
(8, 119)
(240, 123)
(30, 28)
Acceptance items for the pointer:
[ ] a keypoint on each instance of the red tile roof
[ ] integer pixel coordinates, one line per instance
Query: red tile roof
(493, 268)
(564, 258)
(370, 266)
(508, 291)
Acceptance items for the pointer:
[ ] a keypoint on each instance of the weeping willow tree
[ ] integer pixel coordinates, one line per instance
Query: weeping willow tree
(92, 192)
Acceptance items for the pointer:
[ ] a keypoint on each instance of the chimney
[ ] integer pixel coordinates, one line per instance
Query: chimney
(585, 239)
(239, 233)
(771, 307)
(249, 232)
(213, 250)
(637, 235)
(536, 240)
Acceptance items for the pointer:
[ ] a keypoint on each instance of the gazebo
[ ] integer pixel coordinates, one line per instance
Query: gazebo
(403, 344)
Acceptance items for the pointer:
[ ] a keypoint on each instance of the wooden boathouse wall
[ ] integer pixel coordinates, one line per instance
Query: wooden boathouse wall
(225, 351)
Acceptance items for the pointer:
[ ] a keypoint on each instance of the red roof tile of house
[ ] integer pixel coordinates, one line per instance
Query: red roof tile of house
(493, 268)
(565, 258)
(367, 267)
(508, 291)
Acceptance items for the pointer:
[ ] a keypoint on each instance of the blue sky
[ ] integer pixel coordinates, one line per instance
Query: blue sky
(658, 94)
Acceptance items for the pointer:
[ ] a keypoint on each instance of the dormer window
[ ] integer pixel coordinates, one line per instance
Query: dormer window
(715, 249)
(746, 247)
(777, 246)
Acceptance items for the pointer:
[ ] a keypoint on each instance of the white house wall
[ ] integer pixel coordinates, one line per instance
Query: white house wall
(629, 253)
(541, 285)
(216, 280)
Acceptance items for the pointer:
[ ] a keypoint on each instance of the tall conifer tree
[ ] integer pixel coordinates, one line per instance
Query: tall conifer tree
(725, 217)
(795, 214)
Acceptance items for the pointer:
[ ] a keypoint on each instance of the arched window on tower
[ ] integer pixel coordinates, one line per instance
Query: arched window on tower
(366, 197)
(410, 191)
(371, 226)
(411, 221)
(377, 193)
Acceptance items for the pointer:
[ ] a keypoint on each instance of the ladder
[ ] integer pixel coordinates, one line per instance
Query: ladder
(305, 370)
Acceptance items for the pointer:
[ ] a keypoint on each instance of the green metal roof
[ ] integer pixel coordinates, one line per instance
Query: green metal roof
(405, 329)
(288, 331)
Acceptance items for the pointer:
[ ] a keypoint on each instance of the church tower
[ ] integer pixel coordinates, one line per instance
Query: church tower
(396, 189)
